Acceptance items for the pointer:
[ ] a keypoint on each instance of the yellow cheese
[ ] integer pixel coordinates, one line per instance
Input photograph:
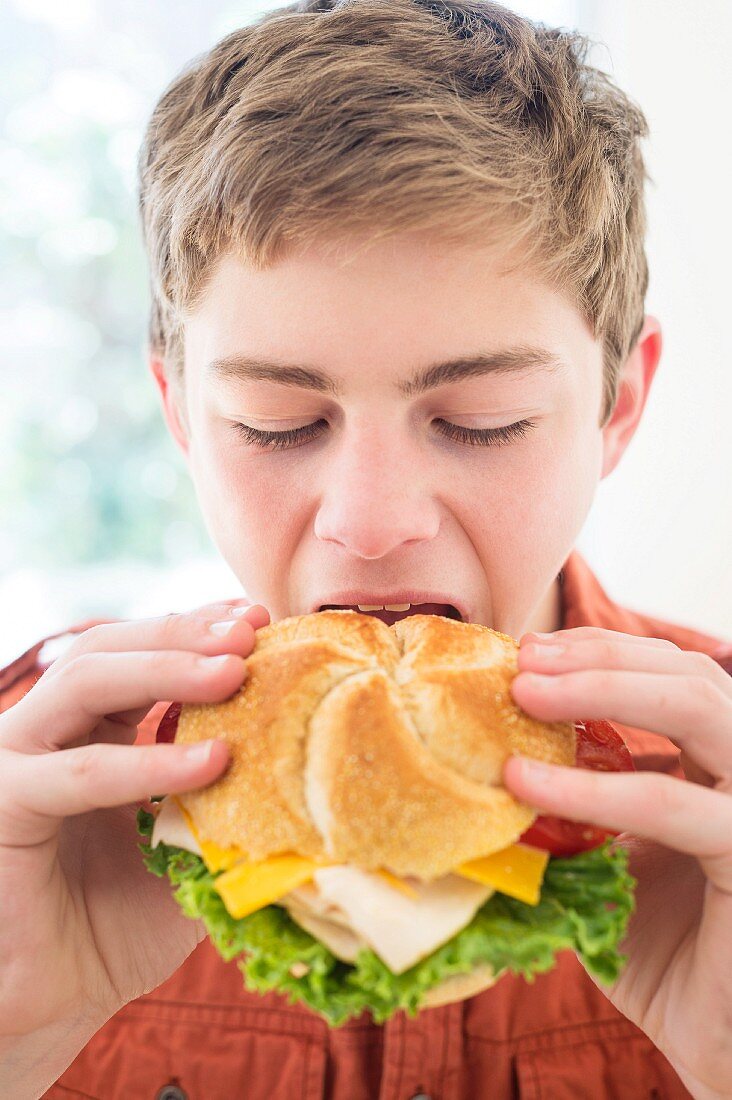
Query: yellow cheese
(517, 871)
(215, 857)
(247, 887)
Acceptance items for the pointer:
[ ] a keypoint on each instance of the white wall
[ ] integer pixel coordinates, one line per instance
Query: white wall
(660, 535)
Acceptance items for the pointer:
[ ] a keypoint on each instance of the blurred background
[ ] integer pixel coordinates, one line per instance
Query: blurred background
(97, 515)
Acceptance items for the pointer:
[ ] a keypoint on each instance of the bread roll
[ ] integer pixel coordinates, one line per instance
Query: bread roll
(382, 747)
(461, 986)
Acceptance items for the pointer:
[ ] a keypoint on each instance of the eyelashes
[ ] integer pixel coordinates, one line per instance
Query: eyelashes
(275, 441)
(474, 437)
(486, 437)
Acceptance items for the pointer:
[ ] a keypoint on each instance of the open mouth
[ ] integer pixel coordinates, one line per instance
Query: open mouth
(392, 613)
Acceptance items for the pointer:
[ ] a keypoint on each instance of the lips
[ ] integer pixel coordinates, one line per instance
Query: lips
(391, 617)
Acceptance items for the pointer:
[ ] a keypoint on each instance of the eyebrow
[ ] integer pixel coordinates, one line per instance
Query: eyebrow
(505, 361)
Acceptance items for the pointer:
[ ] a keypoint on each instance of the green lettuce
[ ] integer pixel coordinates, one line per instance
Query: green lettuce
(585, 904)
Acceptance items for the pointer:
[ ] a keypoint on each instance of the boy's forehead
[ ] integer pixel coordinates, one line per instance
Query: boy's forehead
(410, 300)
(410, 267)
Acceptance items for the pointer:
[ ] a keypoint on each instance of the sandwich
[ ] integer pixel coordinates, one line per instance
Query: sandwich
(361, 852)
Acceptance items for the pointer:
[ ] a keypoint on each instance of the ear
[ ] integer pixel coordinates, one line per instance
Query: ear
(633, 388)
(171, 410)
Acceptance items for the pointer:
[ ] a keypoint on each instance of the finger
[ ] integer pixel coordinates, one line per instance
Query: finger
(122, 728)
(614, 652)
(589, 633)
(47, 788)
(202, 630)
(60, 711)
(690, 710)
(258, 615)
(672, 812)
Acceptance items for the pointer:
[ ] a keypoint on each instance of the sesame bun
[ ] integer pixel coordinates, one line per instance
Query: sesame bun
(372, 745)
(460, 987)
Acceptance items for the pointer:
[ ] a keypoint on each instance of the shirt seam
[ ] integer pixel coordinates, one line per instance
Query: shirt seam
(294, 1028)
(72, 1091)
(530, 1042)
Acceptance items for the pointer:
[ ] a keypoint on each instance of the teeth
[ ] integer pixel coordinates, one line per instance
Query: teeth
(383, 606)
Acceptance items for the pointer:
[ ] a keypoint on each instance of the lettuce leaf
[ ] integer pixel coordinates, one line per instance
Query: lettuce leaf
(585, 904)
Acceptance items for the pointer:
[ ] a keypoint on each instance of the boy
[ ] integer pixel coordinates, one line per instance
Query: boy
(398, 280)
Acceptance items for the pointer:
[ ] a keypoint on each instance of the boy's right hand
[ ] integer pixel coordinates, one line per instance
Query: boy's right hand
(85, 927)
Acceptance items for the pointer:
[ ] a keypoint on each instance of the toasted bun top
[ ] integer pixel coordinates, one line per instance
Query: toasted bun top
(372, 745)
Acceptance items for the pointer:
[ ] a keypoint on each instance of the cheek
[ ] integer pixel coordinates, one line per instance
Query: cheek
(544, 485)
(559, 483)
(533, 503)
(250, 504)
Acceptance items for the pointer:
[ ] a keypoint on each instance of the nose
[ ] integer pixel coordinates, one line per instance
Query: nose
(376, 497)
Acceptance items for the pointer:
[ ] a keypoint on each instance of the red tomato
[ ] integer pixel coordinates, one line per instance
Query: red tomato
(599, 746)
(168, 723)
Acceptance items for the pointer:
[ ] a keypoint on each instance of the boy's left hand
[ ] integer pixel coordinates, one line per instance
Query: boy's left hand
(677, 984)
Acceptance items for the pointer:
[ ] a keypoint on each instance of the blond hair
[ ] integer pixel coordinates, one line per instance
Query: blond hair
(459, 117)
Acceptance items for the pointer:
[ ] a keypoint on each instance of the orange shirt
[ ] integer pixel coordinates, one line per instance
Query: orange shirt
(202, 1036)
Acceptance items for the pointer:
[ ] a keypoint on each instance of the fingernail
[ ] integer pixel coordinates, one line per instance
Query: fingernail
(212, 663)
(199, 753)
(544, 639)
(222, 628)
(241, 609)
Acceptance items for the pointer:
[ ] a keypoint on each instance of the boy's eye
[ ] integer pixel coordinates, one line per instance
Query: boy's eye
(274, 441)
(294, 437)
(485, 437)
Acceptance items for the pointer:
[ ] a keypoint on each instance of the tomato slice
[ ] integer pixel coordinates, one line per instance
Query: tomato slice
(168, 724)
(599, 746)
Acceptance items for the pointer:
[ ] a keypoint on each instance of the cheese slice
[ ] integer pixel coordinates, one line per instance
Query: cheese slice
(244, 887)
(247, 887)
(214, 856)
(173, 825)
(401, 930)
(517, 871)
